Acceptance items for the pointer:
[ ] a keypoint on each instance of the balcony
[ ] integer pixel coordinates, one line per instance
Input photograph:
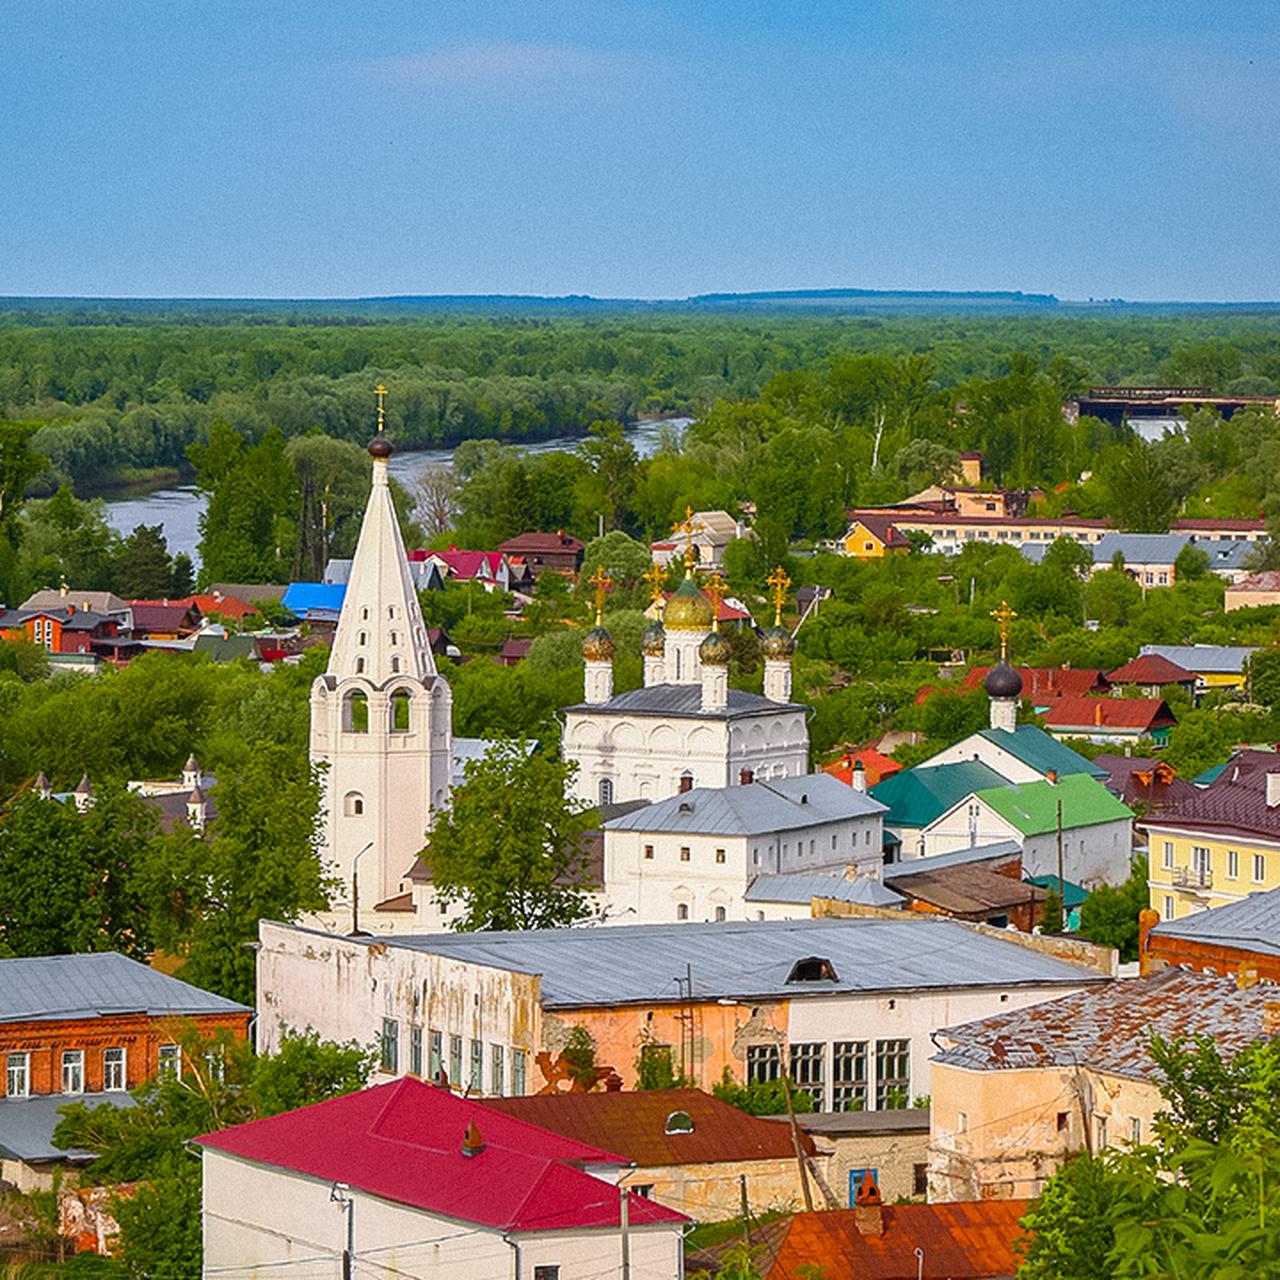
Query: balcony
(1192, 878)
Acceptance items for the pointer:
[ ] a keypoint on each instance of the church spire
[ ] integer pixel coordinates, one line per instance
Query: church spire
(380, 633)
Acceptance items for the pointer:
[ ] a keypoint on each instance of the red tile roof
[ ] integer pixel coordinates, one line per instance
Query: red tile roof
(215, 602)
(403, 1141)
(1108, 713)
(634, 1124)
(970, 1240)
(1048, 682)
(875, 765)
(1151, 668)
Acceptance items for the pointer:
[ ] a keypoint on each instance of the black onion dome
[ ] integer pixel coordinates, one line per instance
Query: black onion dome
(380, 447)
(777, 643)
(654, 640)
(714, 650)
(1003, 681)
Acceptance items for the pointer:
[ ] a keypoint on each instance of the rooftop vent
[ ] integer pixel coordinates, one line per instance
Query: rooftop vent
(472, 1143)
(812, 969)
(679, 1122)
(685, 807)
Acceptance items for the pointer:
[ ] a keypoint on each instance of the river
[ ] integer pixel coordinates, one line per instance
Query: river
(177, 508)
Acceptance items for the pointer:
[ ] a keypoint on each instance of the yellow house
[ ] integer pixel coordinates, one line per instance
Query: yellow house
(1221, 845)
(872, 537)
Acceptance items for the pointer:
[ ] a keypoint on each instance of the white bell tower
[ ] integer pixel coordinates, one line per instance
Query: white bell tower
(380, 714)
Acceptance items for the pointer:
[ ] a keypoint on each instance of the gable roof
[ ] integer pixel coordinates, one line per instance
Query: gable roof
(533, 542)
(875, 765)
(963, 1240)
(1151, 668)
(1107, 1027)
(1204, 659)
(800, 887)
(916, 797)
(881, 528)
(1041, 751)
(965, 889)
(97, 984)
(1086, 714)
(465, 564)
(634, 1125)
(1047, 682)
(302, 597)
(403, 1142)
(1032, 807)
(162, 615)
(1252, 924)
(57, 601)
(214, 602)
(756, 808)
(1153, 783)
(1235, 800)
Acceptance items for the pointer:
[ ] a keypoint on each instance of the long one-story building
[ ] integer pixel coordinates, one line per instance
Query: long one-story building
(851, 1003)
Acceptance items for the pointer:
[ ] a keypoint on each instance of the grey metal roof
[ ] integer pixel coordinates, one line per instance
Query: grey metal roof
(639, 964)
(956, 858)
(1250, 925)
(97, 985)
(839, 1124)
(27, 1124)
(757, 808)
(683, 700)
(805, 886)
(1215, 659)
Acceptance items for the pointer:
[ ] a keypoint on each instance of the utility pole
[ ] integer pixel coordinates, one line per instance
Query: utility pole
(355, 889)
(1062, 883)
(624, 1218)
(746, 1209)
(795, 1132)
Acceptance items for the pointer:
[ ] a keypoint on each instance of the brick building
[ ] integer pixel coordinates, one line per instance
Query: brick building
(1240, 938)
(87, 1028)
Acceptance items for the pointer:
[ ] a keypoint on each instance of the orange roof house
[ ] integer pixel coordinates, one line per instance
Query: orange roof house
(875, 766)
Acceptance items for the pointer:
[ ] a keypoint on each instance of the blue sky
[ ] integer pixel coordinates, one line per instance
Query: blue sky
(647, 148)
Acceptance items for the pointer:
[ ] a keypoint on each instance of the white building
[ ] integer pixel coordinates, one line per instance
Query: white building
(686, 727)
(695, 855)
(406, 1179)
(380, 714)
(1025, 753)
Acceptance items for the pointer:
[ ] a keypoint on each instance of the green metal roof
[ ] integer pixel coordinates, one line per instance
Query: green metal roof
(1041, 751)
(1032, 807)
(1210, 774)
(917, 796)
(1072, 894)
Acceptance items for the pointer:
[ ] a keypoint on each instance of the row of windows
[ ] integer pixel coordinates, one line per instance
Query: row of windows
(427, 1049)
(839, 1080)
(355, 707)
(686, 854)
(17, 1070)
(682, 913)
(1202, 862)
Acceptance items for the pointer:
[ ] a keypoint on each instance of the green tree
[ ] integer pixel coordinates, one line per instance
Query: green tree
(1109, 916)
(143, 568)
(1138, 491)
(1263, 676)
(761, 1097)
(511, 848)
(1051, 921)
(1070, 1233)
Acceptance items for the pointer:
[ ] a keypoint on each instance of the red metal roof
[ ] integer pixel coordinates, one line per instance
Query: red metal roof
(467, 564)
(635, 1125)
(1108, 713)
(403, 1141)
(875, 765)
(1048, 682)
(1151, 668)
(967, 1240)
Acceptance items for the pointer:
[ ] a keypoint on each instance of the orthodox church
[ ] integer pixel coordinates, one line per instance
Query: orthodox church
(381, 713)
(685, 728)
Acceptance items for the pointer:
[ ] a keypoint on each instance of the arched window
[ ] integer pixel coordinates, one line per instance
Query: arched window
(606, 790)
(679, 1122)
(400, 711)
(719, 915)
(682, 910)
(353, 804)
(395, 637)
(359, 666)
(395, 665)
(355, 712)
(364, 614)
(363, 638)
(391, 611)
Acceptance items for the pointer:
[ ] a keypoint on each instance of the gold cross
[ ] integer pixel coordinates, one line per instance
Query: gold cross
(686, 526)
(779, 581)
(381, 392)
(656, 578)
(1004, 616)
(715, 591)
(602, 582)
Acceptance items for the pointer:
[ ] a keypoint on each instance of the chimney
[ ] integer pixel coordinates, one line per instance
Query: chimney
(686, 783)
(472, 1143)
(1273, 790)
(868, 1217)
(613, 1083)
(1097, 713)
(859, 776)
(1271, 1018)
(746, 777)
(1051, 777)
(1147, 920)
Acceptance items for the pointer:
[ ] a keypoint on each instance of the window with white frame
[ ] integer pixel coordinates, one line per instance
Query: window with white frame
(497, 1069)
(476, 1079)
(435, 1053)
(519, 1068)
(1168, 855)
(1102, 1133)
(807, 1061)
(1259, 868)
(17, 1075)
(455, 1059)
(113, 1070)
(169, 1060)
(1168, 907)
(73, 1071)
(389, 1045)
(893, 1074)
(1233, 864)
(415, 1050)
(763, 1062)
(849, 1075)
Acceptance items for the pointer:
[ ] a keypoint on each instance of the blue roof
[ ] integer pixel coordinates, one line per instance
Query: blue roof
(27, 1124)
(917, 796)
(1042, 751)
(302, 597)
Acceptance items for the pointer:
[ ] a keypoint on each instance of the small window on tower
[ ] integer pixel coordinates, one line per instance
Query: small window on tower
(391, 611)
(359, 666)
(353, 804)
(395, 665)
(363, 638)
(395, 637)
(355, 712)
(364, 615)
(400, 711)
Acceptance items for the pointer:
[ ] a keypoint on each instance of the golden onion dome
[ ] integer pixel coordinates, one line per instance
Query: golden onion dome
(688, 609)
(714, 651)
(598, 646)
(777, 643)
(654, 640)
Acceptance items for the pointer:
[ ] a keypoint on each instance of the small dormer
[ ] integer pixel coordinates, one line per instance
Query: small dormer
(679, 1122)
(813, 969)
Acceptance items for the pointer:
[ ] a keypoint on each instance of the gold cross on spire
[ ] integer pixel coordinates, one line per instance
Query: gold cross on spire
(715, 590)
(381, 392)
(686, 526)
(1004, 616)
(656, 578)
(779, 582)
(602, 582)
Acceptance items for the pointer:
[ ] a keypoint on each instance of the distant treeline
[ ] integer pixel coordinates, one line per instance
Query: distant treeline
(117, 391)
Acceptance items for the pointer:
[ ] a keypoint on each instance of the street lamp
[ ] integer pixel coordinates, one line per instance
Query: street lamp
(355, 890)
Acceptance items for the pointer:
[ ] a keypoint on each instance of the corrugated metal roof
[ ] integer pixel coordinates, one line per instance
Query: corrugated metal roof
(1205, 659)
(96, 985)
(957, 857)
(1041, 751)
(917, 796)
(1032, 807)
(801, 888)
(27, 1124)
(684, 700)
(639, 964)
(781, 804)
(896, 1120)
(1250, 925)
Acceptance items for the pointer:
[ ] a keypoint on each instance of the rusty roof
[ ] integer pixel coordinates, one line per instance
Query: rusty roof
(967, 1240)
(1151, 668)
(1107, 1028)
(634, 1125)
(965, 889)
